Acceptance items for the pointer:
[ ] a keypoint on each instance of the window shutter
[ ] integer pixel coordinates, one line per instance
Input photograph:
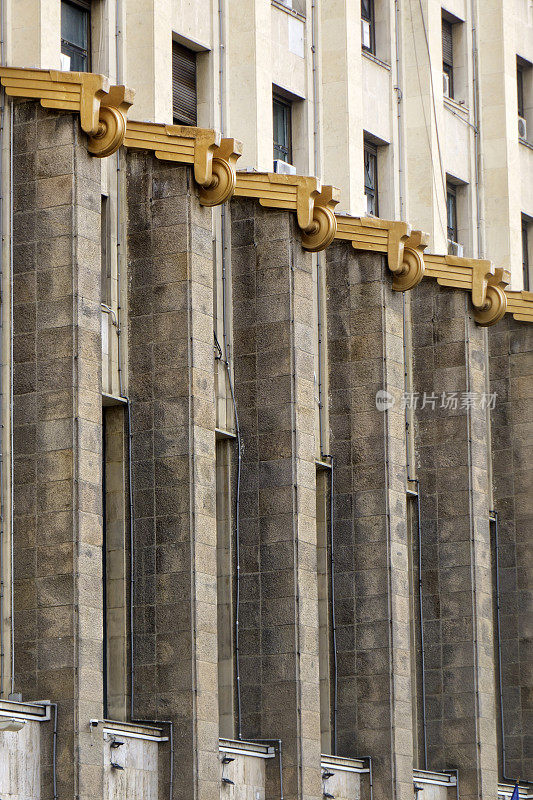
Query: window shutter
(447, 43)
(183, 85)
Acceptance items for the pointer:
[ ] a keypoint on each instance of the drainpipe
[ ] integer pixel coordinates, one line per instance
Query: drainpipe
(399, 100)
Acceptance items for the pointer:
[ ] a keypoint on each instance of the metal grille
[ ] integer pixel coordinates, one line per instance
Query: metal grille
(184, 99)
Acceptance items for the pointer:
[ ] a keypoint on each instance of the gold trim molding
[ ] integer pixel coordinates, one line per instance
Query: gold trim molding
(403, 246)
(312, 202)
(102, 107)
(520, 305)
(213, 158)
(478, 276)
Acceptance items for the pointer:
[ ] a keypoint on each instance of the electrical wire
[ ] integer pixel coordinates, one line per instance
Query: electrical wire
(426, 125)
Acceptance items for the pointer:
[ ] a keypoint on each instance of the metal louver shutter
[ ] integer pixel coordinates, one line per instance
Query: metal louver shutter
(183, 85)
(447, 43)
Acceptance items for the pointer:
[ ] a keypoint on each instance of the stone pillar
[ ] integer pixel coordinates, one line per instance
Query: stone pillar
(368, 445)
(511, 372)
(58, 436)
(171, 367)
(452, 464)
(273, 349)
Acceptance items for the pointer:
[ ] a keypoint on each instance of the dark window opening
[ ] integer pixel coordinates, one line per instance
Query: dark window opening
(184, 97)
(447, 57)
(525, 254)
(371, 178)
(451, 212)
(282, 124)
(75, 35)
(368, 26)
(520, 89)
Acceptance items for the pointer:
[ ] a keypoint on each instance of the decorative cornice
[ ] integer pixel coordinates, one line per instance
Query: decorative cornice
(102, 107)
(213, 158)
(520, 305)
(404, 247)
(478, 276)
(313, 204)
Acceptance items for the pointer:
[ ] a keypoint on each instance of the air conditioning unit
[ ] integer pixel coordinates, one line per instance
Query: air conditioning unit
(522, 128)
(445, 84)
(455, 249)
(283, 167)
(366, 34)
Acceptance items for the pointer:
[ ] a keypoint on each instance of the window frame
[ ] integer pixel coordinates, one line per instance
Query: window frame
(451, 193)
(280, 152)
(447, 63)
(526, 225)
(371, 20)
(183, 119)
(371, 192)
(85, 6)
(520, 89)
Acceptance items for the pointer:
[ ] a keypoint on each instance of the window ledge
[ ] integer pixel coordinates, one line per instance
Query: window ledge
(456, 106)
(375, 59)
(290, 11)
(526, 143)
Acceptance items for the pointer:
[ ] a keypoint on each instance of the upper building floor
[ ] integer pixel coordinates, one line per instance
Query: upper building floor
(420, 110)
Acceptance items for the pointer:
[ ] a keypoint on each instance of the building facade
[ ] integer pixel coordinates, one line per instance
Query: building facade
(267, 400)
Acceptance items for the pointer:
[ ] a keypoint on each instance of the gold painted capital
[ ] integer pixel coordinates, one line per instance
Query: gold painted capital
(303, 194)
(477, 276)
(102, 107)
(213, 159)
(404, 248)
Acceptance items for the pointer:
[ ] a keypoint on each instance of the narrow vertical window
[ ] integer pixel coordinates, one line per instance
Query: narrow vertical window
(75, 35)
(184, 96)
(371, 178)
(114, 569)
(282, 124)
(520, 89)
(368, 26)
(451, 215)
(447, 58)
(225, 579)
(525, 254)
(105, 261)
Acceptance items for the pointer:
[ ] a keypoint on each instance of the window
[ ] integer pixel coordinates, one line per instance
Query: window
(525, 253)
(371, 178)
(368, 26)
(524, 78)
(282, 109)
(75, 35)
(447, 58)
(520, 89)
(451, 212)
(184, 99)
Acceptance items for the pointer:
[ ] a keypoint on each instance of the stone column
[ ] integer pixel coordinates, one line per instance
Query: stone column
(511, 372)
(452, 464)
(273, 349)
(58, 436)
(368, 445)
(171, 366)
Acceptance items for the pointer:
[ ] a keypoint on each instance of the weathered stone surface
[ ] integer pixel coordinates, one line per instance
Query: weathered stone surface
(57, 400)
(171, 362)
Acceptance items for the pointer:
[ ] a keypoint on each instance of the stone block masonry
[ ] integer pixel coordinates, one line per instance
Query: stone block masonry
(365, 339)
(58, 436)
(171, 368)
(274, 384)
